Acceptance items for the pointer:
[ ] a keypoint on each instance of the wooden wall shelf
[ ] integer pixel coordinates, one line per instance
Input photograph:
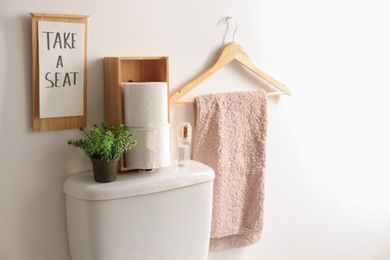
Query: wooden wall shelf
(125, 69)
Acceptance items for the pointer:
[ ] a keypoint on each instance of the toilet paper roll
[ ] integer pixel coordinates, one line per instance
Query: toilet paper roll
(145, 103)
(152, 150)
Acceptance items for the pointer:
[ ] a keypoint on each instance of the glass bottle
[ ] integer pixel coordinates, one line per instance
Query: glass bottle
(184, 144)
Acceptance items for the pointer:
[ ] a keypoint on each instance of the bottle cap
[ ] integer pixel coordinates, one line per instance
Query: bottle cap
(185, 130)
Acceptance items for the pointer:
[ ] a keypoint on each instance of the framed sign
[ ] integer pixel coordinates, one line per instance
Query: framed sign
(59, 71)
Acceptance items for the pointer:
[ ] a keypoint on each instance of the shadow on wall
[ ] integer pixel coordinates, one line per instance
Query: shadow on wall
(16, 76)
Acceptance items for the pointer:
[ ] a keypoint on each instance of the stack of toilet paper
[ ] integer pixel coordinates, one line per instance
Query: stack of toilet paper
(146, 116)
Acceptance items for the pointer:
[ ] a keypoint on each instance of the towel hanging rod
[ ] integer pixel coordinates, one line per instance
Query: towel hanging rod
(192, 100)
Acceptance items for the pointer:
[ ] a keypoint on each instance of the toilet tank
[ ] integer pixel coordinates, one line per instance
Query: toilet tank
(159, 215)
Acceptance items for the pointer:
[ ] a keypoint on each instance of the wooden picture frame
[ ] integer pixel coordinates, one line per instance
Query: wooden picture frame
(75, 83)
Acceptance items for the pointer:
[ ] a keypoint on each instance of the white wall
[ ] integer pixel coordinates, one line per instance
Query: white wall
(328, 145)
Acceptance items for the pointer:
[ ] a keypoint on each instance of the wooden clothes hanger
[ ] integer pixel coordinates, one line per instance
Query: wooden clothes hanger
(231, 51)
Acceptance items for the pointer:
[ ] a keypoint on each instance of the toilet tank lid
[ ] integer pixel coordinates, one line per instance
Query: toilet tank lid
(129, 184)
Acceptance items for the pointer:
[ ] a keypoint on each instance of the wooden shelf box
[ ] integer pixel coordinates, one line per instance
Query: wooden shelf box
(125, 69)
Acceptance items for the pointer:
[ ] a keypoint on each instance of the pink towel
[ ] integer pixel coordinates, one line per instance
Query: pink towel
(230, 136)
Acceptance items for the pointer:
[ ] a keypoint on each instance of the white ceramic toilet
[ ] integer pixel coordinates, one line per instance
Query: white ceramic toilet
(159, 215)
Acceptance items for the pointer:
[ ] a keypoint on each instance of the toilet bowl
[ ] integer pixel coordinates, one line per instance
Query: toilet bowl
(159, 215)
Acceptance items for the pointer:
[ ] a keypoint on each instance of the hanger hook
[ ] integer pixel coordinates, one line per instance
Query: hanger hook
(235, 20)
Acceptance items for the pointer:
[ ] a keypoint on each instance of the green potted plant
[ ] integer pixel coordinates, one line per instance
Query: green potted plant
(104, 145)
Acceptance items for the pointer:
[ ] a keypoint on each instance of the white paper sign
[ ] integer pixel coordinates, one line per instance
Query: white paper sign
(61, 69)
